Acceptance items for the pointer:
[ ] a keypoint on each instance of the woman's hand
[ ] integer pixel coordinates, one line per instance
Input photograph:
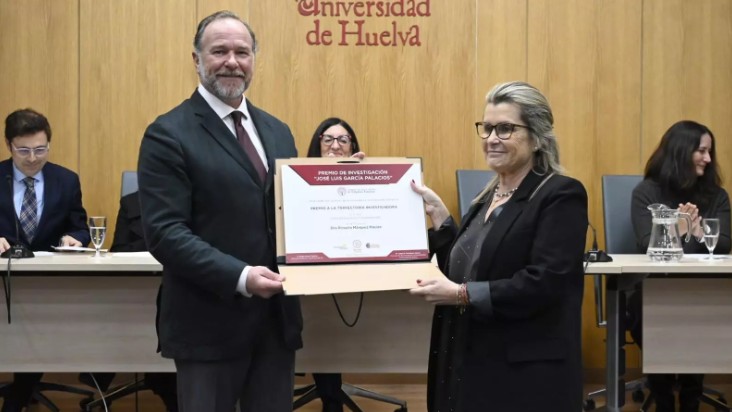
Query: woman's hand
(435, 208)
(693, 211)
(440, 291)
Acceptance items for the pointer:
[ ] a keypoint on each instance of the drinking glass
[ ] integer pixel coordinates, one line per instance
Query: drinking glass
(710, 227)
(97, 230)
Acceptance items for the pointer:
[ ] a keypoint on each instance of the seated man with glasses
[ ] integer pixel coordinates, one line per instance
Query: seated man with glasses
(42, 201)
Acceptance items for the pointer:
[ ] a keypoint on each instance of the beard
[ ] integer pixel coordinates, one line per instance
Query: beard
(224, 92)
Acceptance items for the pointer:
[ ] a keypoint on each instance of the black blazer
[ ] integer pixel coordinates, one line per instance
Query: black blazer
(206, 215)
(63, 213)
(523, 348)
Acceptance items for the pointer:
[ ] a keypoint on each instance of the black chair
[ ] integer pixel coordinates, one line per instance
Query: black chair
(39, 397)
(469, 184)
(49, 386)
(617, 194)
(309, 393)
(129, 182)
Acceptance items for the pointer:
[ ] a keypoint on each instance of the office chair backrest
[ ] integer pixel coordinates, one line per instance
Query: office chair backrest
(129, 182)
(617, 193)
(469, 184)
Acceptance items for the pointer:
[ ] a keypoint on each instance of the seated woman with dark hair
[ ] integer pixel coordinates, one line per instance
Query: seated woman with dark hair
(681, 173)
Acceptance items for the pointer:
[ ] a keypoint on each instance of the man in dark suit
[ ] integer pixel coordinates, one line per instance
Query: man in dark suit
(206, 176)
(44, 201)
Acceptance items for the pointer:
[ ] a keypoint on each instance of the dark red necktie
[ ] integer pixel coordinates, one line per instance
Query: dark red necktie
(246, 143)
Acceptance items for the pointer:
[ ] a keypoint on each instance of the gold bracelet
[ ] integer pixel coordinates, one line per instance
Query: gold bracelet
(462, 297)
(466, 297)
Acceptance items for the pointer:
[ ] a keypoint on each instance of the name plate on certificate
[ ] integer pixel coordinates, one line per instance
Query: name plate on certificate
(352, 212)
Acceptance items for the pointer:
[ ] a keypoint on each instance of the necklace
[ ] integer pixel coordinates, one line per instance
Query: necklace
(504, 194)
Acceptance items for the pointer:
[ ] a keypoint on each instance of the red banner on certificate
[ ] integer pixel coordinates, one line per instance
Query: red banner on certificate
(352, 213)
(353, 174)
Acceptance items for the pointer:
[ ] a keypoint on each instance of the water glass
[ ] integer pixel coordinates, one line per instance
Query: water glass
(97, 230)
(710, 227)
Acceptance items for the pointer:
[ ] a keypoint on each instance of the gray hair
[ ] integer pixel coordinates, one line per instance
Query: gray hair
(220, 15)
(537, 115)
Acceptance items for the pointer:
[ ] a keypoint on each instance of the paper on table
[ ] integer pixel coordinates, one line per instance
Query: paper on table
(75, 249)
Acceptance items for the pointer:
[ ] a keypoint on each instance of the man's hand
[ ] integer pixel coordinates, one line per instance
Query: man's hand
(67, 240)
(4, 245)
(263, 282)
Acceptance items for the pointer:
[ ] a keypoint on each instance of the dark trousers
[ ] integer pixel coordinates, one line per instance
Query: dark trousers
(20, 391)
(662, 385)
(329, 390)
(261, 379)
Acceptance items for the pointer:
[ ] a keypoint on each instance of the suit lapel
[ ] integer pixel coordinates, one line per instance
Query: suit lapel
(215, 127)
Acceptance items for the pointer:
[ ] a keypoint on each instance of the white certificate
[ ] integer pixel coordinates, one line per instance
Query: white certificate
(353, 213)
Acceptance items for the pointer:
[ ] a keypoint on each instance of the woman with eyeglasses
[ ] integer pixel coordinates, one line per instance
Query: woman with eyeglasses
(333, 137)
(506, 333)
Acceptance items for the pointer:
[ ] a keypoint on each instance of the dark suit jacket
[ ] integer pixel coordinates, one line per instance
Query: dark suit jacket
(523, 347)
(63, 213)
(206, 215)
(128, 234)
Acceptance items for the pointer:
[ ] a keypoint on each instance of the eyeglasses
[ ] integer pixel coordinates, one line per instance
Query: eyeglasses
(328, 140)
(503, 130)
(39, 151)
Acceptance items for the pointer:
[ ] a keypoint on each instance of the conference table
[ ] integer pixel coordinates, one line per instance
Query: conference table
(77, 313)
(687, 316)
(74, 313)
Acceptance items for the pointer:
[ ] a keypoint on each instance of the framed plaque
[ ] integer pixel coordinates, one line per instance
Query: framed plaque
(359, 219)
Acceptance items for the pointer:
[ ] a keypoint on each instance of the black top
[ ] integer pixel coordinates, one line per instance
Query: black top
(648, 192)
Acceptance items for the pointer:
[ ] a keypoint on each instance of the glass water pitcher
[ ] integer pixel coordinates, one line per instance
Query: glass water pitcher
(665, 242)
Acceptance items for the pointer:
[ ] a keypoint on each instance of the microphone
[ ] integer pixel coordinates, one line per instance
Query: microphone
(595, 255)
(18, 250)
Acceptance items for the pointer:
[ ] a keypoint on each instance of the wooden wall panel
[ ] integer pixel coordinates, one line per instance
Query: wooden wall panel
(563, 64)
(618, 84)
(401, 100)
(686, 70)
(208, 7)
(135, 64)
(501, 56)
(616, 143)
(39, 54)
